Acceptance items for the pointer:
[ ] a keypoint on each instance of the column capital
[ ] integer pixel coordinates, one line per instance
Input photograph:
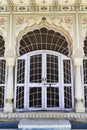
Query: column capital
(78, 57)
(10, 61)
(78, 61)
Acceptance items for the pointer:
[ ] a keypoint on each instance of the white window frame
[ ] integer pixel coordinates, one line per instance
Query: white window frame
(83, 84)
(70, 84)
(61, 84)
(3, 58)
(24, 57)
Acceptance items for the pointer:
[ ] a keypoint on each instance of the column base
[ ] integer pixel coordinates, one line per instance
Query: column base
(8, 106)
(79, 106)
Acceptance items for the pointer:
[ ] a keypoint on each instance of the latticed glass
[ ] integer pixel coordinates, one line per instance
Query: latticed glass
(44, 39)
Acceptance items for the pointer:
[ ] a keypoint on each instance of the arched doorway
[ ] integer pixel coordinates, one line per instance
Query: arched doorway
(44, 72)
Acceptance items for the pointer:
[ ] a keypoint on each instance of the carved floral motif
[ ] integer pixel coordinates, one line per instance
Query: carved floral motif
(84, 20)
(2, 21)
(68, 20)
(20, 21)
(25, 21)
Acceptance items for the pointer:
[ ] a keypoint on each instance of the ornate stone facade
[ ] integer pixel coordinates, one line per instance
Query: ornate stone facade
(72, 24)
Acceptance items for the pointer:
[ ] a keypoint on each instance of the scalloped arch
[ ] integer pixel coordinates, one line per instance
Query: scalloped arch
(44, 36)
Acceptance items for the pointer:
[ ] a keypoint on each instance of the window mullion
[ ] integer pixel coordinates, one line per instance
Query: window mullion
(15, 84)
(26, 84)
(43, 80)
(72, 84)
(59, 84)
(62, 85)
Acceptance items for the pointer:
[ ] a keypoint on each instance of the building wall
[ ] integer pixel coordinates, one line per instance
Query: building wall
(72, 25)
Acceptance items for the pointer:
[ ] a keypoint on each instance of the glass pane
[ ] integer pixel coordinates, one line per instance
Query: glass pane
(85, 71)
(35, 97)
(43, 39)
(68, 97)
(52, 97)
(52, 68)
(35, 68)
(2, 96)
(67, 71)
(85, 46)
(20, 97)
(20, 71)
(85, 95)
(2, 46)
(2, 71)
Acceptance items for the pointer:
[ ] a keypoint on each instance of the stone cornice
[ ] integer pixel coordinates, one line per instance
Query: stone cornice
(23, 8)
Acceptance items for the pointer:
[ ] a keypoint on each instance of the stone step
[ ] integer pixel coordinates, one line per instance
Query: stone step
(44, 125)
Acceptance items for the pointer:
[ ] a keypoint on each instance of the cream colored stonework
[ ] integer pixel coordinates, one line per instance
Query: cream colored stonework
(70, 19)
(64, 23)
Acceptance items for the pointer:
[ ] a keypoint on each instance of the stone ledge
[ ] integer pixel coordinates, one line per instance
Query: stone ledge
(44, 115)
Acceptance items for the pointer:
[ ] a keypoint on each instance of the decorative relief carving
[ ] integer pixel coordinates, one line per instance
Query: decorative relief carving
(3, 27)
(83, 27)
(84, 20)
(2, 21)
(23, 21)
(65, 22)
(20, 21)
(68, 20)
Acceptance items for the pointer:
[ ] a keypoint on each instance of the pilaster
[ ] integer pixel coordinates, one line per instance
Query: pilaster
(10, 62)
(79, 105)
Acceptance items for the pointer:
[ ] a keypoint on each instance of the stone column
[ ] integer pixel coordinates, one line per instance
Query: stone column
(79, 105)
(9, 85)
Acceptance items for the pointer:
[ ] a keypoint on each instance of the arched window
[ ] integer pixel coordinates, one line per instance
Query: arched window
(85, 72)
(2, 73)
(43, 72)
(43, 39)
